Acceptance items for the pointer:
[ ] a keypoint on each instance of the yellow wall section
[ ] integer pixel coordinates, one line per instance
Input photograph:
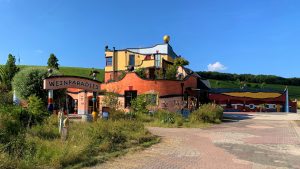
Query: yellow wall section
(121, 60)
(258, 95)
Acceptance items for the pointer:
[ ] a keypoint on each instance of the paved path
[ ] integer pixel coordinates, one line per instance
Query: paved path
(257, 141)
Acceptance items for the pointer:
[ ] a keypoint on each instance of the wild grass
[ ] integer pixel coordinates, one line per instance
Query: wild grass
(87, 144)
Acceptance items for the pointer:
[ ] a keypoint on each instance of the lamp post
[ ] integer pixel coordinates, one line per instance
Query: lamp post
(287, 106)
(94, 99)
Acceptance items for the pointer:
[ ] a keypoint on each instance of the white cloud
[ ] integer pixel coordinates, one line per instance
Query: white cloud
(216, 67)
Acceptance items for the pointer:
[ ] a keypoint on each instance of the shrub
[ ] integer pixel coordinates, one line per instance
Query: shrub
(110, 100)
(171, 72)
(168, 117)
(139, 104)
(141, 73)
(117, 114)
(6, 95)
(210, 113)
(298, 104)
(122, 75)
(36, 109)
(180, 61)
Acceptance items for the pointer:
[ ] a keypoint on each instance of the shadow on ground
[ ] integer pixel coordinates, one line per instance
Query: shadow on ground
(262, 156)
(234, 117)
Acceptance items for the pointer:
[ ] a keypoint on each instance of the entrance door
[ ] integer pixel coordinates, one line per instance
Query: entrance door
(129, 96)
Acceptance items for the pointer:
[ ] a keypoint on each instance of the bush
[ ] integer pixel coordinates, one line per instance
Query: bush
(171, 72)
(209, 113)
(29, 81)
(167, 117)
(36, 109)
(6, 95)
(139, 104)
(298, 104)
(117, 115)
(141, 73)
(111, 100)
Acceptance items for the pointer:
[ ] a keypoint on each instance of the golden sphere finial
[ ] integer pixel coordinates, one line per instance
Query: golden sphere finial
(166, 38)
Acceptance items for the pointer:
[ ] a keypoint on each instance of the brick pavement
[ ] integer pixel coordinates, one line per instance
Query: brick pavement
(251, 143)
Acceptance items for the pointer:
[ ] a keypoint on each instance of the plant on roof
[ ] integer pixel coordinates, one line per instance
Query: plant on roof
(171, 72)
(141, 72)
(180, 61)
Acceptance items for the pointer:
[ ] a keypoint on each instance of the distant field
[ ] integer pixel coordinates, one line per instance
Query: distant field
(74, 71)
(294, 91)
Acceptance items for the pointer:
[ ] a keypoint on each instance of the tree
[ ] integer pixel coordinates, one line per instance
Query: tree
(171, 72)
(53, 62)
(2, 75)
(180, 61)
(29, 81)
(9, 71)
(110, 100)
(36, 108)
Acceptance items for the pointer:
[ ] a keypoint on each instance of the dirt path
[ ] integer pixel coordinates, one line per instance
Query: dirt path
(253, 141)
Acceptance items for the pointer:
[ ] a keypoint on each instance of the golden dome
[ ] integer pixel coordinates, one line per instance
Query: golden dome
(166, 38)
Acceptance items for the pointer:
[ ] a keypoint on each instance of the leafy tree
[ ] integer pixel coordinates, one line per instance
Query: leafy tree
(159, 74)
(53, 62)
(110, 100)
(36, 108)
(2, 75)
(9, 71)
(139, 104)
(180, 61)
(171, 72)
(6, 97)
(29, 82)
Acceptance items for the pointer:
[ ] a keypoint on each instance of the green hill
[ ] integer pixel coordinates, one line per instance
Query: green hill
(74, 71)
(294, 91)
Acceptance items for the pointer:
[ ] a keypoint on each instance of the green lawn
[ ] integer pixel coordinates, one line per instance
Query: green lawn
(75, 71)
(294, 91)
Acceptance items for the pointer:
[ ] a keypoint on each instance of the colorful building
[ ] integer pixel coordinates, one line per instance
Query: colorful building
(260, 100)
(186, 89)
(134, 71)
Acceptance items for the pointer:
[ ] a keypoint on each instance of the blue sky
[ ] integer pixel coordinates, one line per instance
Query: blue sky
(235, 36)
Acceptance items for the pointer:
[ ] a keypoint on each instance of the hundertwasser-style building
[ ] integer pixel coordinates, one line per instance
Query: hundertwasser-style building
(134, 71)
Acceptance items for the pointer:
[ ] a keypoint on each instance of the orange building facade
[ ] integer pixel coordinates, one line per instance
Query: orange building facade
(123, 77)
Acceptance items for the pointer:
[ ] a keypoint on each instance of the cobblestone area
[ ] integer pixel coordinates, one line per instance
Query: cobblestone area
(256, 142)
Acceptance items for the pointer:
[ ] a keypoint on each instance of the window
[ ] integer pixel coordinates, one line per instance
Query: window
(131, 60)
(129, 96)
(157, 60)
(109, 61)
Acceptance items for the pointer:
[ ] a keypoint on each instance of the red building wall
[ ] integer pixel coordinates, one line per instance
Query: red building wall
(164, 87)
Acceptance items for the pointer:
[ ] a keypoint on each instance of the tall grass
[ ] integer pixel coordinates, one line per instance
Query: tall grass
(87, 144)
